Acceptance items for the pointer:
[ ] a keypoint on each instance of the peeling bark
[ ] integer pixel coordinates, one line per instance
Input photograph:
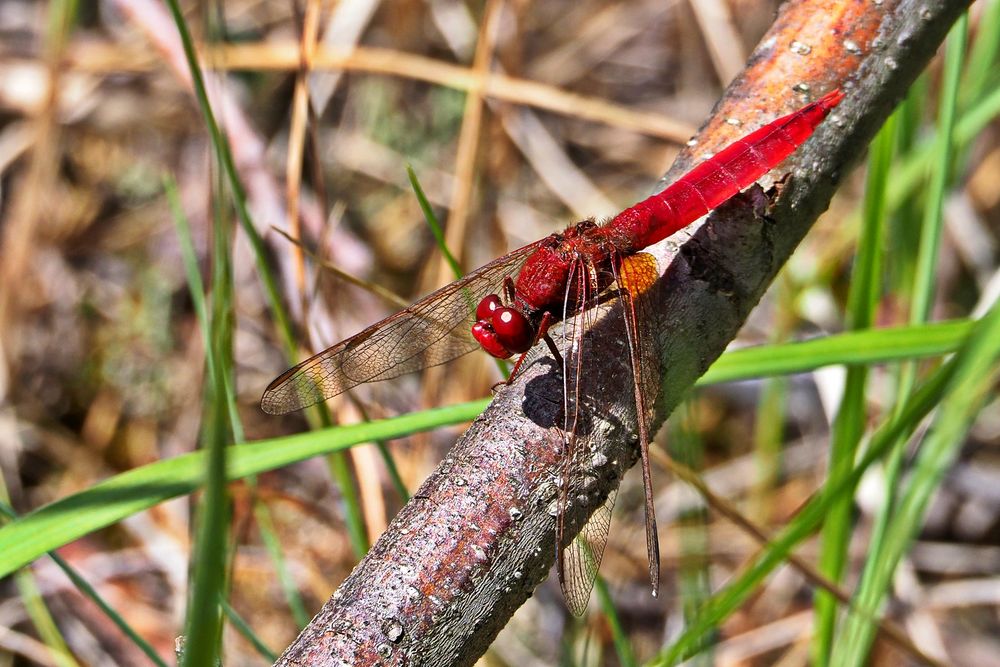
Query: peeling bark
(477, 538)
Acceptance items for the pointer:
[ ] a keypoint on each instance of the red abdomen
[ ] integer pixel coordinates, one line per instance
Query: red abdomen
(718, 178)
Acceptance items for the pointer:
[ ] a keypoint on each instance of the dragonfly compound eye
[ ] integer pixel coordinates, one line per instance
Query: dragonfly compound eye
(513, 329)
(490, 302)
(487, 338)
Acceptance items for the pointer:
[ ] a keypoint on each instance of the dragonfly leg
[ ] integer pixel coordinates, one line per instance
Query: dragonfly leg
(542, 334)
(514, 371)
(543, 328)
(553, 349)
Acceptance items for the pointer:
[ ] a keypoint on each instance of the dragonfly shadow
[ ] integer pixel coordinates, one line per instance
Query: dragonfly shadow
(544, 403)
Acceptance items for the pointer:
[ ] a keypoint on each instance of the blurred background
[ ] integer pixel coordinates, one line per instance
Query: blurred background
(102, 366)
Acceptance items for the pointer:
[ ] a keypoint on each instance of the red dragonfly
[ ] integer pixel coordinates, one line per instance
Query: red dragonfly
(559, 282)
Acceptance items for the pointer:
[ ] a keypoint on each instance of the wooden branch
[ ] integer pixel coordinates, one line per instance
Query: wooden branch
(477, 538)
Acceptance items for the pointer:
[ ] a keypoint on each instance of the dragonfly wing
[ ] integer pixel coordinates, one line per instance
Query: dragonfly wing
(579, 561)
(432, 331)
(635, 275)
(582, 558)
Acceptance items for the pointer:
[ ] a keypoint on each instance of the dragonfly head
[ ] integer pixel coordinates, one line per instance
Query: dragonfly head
(500, 330)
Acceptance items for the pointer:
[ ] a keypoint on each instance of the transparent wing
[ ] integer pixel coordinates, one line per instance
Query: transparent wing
(580, 561)
(432, 331)
(635, 275)
(582, 558)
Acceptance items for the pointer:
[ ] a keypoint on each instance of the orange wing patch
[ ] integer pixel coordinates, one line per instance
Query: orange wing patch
(638, 272)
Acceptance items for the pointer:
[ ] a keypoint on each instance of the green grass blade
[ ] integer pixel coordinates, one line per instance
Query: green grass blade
(84, 587)
(626, 658)
(244, 629)
(884, 150)
(435, 225)
(393, 470)
(848, 427)
(909, 174)
(197, 291)
(91, 593)
(742, 586)
(981, 65)
(981, 70)
(196, 288)
(38, 612)
(902, 242)
(930, 234)
(859, 631)
(438, 232)
(340, 470)
(189, 258)
(874, 346)
(694, 580)
(317, 416)
(273, 545)
(978, 371)
(203, 624)
(32, 600)
(225, 157)
(123, 495)
(849, 423)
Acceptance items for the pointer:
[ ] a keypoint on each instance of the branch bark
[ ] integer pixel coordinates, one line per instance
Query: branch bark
(477, 538)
